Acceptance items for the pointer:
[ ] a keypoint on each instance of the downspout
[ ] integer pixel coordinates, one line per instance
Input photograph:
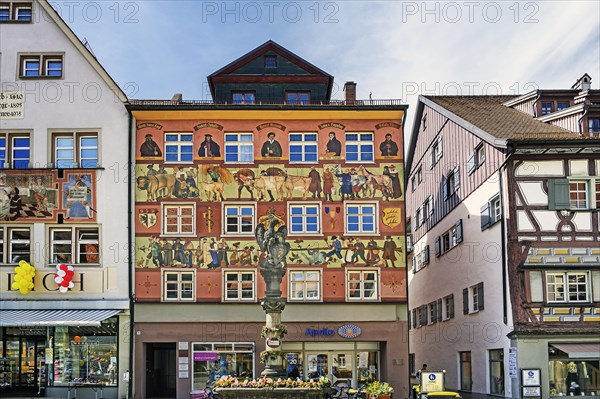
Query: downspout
(586, 108)
(408, 322)
(503, 239)
(535, 104)
(130, 169)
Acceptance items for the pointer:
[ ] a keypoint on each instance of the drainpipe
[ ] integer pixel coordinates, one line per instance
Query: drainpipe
(586, 108)
(131, 253)
(503, 238)
(535, 104)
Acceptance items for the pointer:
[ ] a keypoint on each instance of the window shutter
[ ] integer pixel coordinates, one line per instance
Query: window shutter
(414, 263)
(459, 231)
(558, 194)
(441, 146)
(480, 296)
(485, 216)
(438, 246)
(414, 318)
(423, 314)
(431, 160)
(471, 163)
(451, 307)
(426, 254)
(445, 187)
(439, 310)
(430, 200)
(456, 178)
(409, 320)
(466, 301)
(434, 318)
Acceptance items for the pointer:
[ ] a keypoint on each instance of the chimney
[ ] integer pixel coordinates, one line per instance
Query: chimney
(350, 92)
(177, 98)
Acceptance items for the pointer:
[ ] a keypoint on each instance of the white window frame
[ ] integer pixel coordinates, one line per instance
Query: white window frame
(420, 174)
(359, 142)
(303, 143)
(21, 7)
(585, 191)
(452, 242)
(179, 144)
(446, 306)
(239, 206)
(302, 284)
(239, 274)
(428, 208)
(437, 152)
(183, 285)
(479, 155)
(566, 286)
(9, 149)
(6, 242)
(43, 62)
(76, 148)
(361, 284)
(179, 206)
(75, 242)
(303, 205)
(361, 231)
(495, 209)
(474, 299)
(239, 144)
(14, 8)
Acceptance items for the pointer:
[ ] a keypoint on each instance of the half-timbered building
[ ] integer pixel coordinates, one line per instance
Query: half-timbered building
(503, 216)
(207, 172)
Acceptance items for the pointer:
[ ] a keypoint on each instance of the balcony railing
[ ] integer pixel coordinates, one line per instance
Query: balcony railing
(332, 103)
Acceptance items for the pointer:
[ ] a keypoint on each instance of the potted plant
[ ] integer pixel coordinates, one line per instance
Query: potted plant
(378, 389)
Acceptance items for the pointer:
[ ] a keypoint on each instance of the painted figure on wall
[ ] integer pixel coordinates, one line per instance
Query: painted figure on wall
(271, 147)
(392, 173)
(388, 147)
(315, 182)
(336, 249)
(149, 148)
(328, 180)
(334, 147)
(373, 252)
(209, 148)
(345, 184)
(389, 251)
(78, 196)
(27, 196)
(359, 251)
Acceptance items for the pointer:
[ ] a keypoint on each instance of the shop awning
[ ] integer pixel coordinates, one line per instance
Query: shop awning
(580, 350)
(31, 318)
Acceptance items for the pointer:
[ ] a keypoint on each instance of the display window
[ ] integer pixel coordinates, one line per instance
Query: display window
(573, 377)
(211, 361)
(84, 354)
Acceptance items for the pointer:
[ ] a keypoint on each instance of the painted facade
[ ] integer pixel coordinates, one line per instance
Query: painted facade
(58, 201)
(207, 175)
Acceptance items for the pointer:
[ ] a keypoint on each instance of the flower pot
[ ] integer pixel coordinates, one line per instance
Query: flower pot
(384, 397)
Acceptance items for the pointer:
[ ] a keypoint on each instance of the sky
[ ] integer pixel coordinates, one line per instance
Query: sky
(392, 49)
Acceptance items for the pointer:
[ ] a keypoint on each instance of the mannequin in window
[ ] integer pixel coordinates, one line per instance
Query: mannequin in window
(572, 373)
(559, 376)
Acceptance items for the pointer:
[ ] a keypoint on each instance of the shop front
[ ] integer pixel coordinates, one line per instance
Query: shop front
(60, 353)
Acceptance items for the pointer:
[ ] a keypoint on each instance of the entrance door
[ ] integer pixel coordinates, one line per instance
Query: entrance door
(161, 369)
(338, 365)
(26, 354)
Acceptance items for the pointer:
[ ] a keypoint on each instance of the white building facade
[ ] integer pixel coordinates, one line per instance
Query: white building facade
(63, 205)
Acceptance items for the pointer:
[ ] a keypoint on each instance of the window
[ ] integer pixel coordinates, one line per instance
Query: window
(304, 219)
(211, 361)
(419, 217)
(566, 287)
(16, 11)
(413, 183)
(179, 147)
(436, 153)
(15, 150)
(562, 105)
(409, 243)
(411, 362)
(491, 212)
(594, 127)
(270, 61)
(421, 259)
(432, 307)
(15, 244)
(72, 150)
(466, 381)
(41, 66)
(476, 159)
(74, 245)
(565, 194)
(428, 208)
(239, 219)
(424, 122)
(361, 218)
(241, 97)
(420, 175)
(448, 307)
(423, 316)
(449, 239)
(496, 359)
(239, 148)
(547, 108)
(451, 183)
(297, 98)
(239, 286)
(361, 285)
(564, 370)
(305, 285)
(359, 147)
(178, 286)
(179, 220)
(473, 299)
(303, 148)
(578, 194)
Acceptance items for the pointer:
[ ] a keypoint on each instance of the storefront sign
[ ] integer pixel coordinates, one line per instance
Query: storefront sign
(349, 331)
(432, 381)
(530, 377)
(532, 392)
(90, 281)
(205, 356)
(273, 343)
(291, 360)
(313, 332)
(513, 371)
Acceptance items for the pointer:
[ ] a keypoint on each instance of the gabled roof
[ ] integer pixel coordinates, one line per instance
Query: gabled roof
(585, 75)
(488, 118)
(270, 45)
(85, 52)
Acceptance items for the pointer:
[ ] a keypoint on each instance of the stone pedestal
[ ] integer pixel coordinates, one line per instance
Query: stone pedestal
(270, 393)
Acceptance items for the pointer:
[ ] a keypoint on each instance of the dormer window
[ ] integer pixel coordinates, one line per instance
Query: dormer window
(270, 61)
